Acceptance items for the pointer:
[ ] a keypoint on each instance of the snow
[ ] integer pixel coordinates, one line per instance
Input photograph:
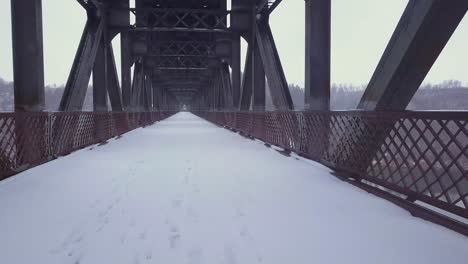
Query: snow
(186, 191)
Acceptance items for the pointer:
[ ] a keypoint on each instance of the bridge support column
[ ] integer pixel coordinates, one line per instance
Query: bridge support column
(317, 54)
(156, 97)
(137, 89)
(126, 69)
(254, 81)
(105, 80)
(258, 74)
(78, 80)
(246, 93)
(164, 101)
(273, 69)
(113, 86)
(100, 80)
(226, 85)
(28, 58)
(148, 93)
(216, 90)
(236, 68)
(423, 31)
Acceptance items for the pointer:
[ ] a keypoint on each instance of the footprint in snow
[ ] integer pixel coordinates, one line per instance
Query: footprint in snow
(229, 254)
(177, 203)
(195, 256)
(149, 255)
(142, 236)
(174, 237)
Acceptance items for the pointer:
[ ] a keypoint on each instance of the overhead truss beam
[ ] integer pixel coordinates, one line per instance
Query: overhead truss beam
(177, 18)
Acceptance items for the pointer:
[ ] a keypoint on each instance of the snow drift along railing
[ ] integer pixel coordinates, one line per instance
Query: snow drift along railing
(29, 139)
(423, 156)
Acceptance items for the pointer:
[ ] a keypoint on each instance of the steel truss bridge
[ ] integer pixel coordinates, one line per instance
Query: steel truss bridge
(187, 53)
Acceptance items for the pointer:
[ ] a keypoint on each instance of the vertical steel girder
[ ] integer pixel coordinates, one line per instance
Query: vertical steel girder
(222, 89)
(28, 57)
(113, 87)
(105, 80)
(226, 86)
(156, 97)
(259, 95)
(253, 85)
(246, 93)
(126, 69)
(279, 90)
(317, 54)
(126, 61)
(163, 99)
(100, 80)
(263, 60)
(148, 93)
(423, 31)
(236, 68)
(77, 83)
(202, 99)
(217, 95)
(137, 89)
(215, 92)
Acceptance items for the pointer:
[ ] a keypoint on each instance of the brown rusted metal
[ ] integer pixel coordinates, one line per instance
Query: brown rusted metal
(30, 139)
(421, 156)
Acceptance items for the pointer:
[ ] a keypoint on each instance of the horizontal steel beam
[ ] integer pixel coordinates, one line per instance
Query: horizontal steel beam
(187, 48)
(173, 18)
(183, 62)
(175, 29)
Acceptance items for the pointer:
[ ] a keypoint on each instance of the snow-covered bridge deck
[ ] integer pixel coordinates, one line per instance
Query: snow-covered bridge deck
(186, 191)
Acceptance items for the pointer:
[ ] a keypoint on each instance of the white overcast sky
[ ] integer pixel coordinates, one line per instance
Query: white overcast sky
(360, 32)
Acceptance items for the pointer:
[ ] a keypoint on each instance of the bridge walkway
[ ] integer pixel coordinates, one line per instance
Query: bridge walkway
(186, 191)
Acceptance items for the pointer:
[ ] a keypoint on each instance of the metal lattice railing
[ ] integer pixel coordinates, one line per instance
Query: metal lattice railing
(420, 155)
(29, 139)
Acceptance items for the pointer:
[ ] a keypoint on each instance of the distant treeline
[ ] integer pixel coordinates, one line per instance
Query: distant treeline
(53, 94)
(448, 95)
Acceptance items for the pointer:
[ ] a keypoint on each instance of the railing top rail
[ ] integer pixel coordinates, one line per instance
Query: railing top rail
(433, 115)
